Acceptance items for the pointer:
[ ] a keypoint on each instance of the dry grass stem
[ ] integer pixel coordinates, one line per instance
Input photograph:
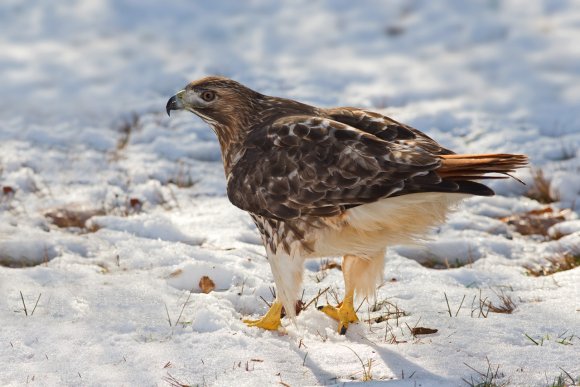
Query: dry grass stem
(506, 304)
(487, 379)
(366, 367)
(566, 261)
(173, 382)
(540, 189)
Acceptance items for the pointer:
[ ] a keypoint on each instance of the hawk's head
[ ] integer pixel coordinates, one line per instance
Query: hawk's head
(221, 102)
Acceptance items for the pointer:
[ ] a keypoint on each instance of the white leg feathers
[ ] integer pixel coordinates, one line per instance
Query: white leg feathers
(287, 270)
(363, 274)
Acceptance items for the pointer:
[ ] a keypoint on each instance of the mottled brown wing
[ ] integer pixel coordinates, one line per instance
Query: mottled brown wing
(310, 166)
(386, 128)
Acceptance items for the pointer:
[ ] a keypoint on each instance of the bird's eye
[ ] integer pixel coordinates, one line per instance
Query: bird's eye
(208, 96)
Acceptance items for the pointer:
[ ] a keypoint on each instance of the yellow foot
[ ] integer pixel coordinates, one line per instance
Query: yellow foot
(270, 321)
(344, 313)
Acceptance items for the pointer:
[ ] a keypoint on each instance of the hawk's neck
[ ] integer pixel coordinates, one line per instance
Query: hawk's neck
(252, 119)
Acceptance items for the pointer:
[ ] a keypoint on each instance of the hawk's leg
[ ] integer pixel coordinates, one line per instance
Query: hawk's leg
(271, 320)
(287, 272)
(344, 312)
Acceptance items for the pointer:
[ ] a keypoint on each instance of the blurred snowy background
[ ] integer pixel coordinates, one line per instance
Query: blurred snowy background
(110, 213)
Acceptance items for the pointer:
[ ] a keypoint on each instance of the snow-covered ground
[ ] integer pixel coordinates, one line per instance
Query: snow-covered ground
(116, 300)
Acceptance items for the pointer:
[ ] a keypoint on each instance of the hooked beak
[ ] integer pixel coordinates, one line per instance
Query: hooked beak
(175, 103)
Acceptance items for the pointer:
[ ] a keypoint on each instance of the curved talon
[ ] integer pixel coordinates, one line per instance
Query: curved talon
(344, 313)
(270, 321)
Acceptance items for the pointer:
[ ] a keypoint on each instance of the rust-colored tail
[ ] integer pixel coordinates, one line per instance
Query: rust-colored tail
(479, 166)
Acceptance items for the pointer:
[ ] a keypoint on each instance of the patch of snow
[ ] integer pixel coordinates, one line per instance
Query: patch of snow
(144, 226)
(564, 228)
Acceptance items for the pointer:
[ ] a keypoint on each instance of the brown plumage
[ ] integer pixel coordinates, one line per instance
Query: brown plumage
(339, 181)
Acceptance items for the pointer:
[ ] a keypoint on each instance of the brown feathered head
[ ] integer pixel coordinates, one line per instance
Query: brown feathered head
(232, 110)
(221, 102)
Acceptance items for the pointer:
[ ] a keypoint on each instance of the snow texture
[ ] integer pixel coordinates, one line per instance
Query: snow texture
(112, 295)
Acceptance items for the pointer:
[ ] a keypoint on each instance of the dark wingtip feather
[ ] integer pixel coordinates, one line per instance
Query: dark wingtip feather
(474, 188)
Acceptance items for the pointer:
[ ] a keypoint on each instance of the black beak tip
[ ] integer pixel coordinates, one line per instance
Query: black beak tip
(171, 105)
(168, 106)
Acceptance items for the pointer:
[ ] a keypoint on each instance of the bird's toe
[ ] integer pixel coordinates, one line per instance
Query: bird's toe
(271, 320)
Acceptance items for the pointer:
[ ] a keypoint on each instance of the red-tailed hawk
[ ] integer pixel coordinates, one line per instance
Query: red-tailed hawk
(331, 182)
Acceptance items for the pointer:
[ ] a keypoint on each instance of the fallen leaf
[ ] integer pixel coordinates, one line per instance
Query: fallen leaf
(206, 284)
(7, 190)
(422, 331)
(535, 222)
(72, 216)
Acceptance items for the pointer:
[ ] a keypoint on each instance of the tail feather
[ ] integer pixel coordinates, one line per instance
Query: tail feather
(475, 177)
(479, 166)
